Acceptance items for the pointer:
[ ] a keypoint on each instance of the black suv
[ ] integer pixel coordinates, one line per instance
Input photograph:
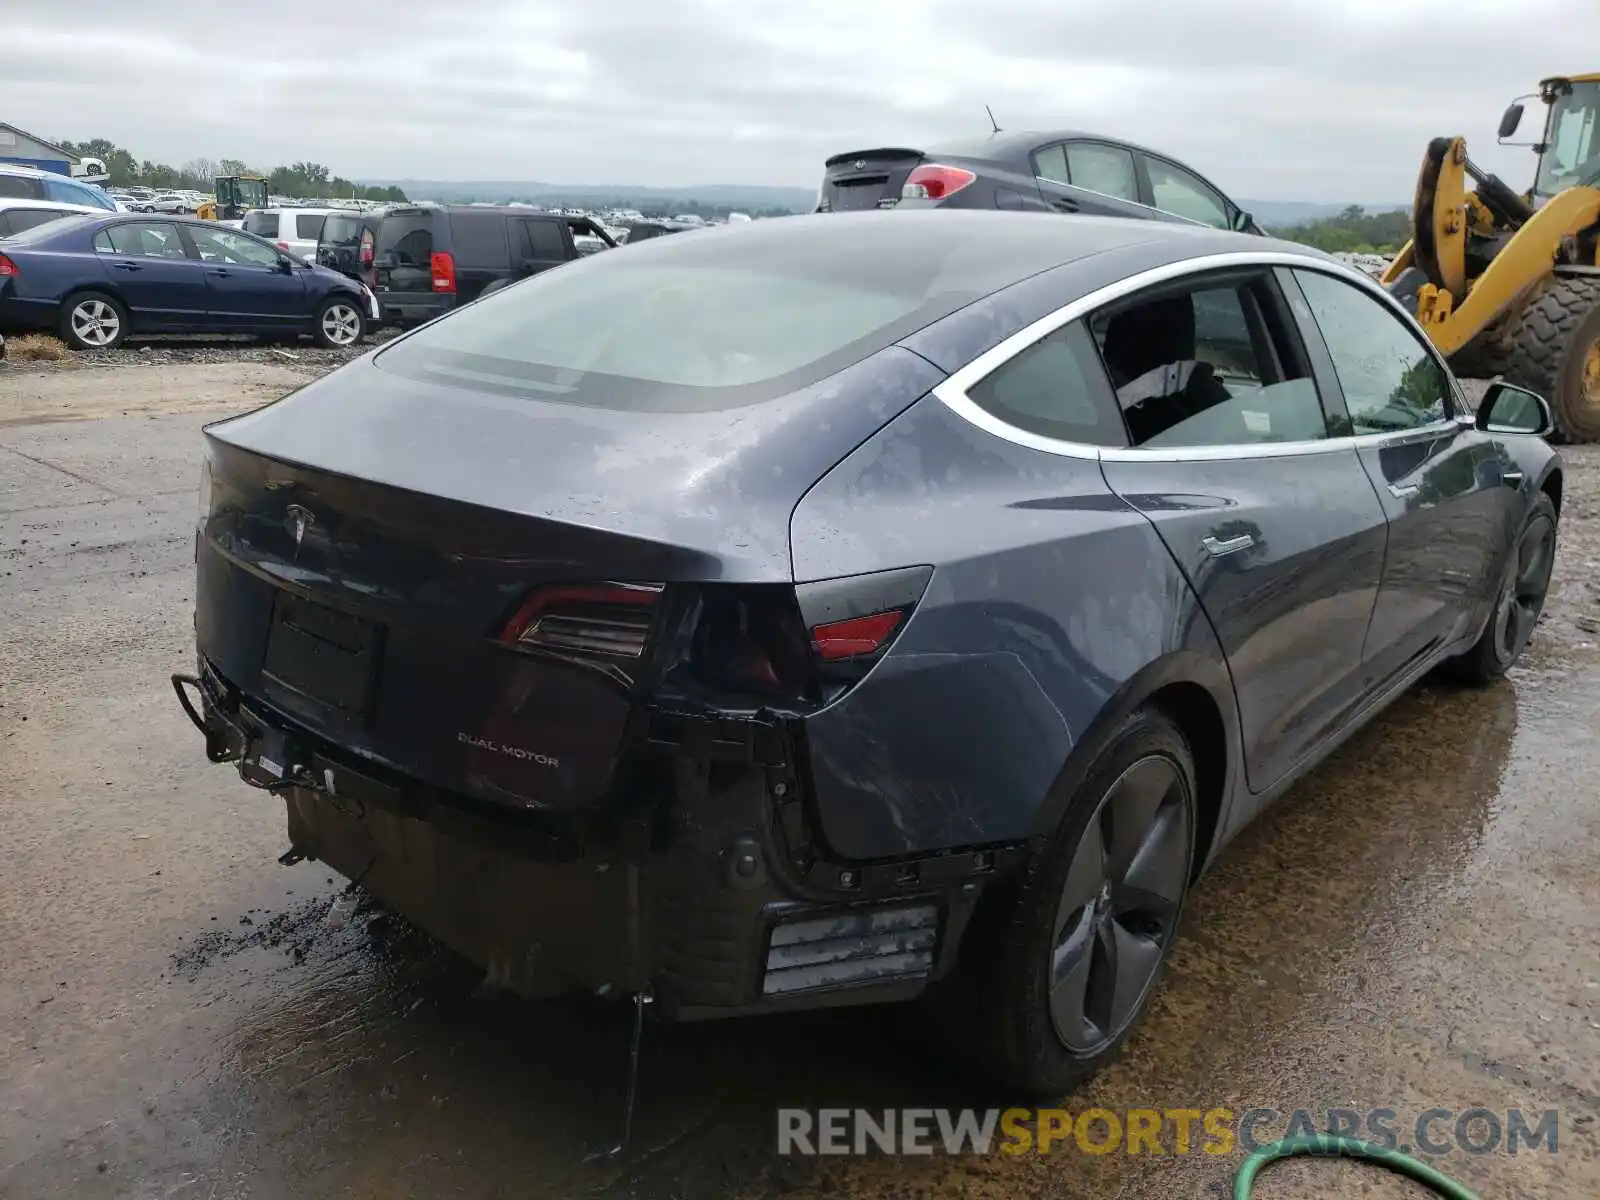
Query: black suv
(431, 257)
(348, 244)
(1064, 172)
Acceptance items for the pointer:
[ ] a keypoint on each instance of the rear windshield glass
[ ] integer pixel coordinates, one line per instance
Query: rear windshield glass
(308, 226)
(261, 224)
(658, 331)
(409, 238)
(51, 229)
(341, 230)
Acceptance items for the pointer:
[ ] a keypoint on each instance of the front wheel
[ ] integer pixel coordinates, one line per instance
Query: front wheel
(1523, 587)
(1089, 930)
(93, 321)
(339, 324)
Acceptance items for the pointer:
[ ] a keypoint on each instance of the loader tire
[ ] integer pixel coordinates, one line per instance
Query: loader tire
(1555, 351)
(1485, 357)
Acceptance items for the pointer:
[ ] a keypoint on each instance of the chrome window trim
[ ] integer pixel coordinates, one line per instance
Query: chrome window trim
(952, 391)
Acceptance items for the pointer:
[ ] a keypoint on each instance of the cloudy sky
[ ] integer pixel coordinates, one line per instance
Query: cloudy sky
(1274, 99)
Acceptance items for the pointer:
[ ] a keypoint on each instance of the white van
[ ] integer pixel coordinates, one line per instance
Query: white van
(295, 230)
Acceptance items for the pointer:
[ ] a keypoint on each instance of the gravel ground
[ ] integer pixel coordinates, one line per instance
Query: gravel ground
(303, 354)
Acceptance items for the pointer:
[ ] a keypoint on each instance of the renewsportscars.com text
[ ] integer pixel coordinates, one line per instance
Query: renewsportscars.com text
(1155, 1131)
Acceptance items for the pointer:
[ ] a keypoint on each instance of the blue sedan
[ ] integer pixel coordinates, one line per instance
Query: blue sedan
(96, 280)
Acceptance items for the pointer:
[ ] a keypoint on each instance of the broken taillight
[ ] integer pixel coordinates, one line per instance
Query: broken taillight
(602, 621)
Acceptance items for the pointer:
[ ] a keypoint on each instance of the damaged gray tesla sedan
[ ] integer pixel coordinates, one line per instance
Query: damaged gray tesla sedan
(841, 609)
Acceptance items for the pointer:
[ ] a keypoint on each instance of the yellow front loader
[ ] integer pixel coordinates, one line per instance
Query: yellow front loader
(236, 195)
(1508, 284)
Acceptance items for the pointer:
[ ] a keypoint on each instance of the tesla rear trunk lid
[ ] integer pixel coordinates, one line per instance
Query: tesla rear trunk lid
(373, 545)
(864, 179)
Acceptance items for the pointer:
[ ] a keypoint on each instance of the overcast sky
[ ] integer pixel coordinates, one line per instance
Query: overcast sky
(1274, 99)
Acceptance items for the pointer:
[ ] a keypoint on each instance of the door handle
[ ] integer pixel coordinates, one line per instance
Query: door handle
(219, 272)
(127, 266)
(1512, 479)
(1219, 547)
(1404, 491)
(1062, 204)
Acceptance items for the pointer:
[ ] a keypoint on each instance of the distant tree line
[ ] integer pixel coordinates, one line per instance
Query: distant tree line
(301, 180)
(1354, 231)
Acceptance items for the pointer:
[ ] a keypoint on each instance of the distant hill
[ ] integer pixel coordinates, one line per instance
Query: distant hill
(1285, 214)
(586, 195)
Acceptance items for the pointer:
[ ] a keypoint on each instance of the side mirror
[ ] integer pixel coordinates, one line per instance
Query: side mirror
(1242, 221)
(1506, 408)
(1510, 119)
(285, 264)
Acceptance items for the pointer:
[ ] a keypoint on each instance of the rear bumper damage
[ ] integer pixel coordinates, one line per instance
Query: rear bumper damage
(702, 883)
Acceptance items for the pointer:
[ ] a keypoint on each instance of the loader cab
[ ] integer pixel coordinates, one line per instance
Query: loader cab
(1569, 152)
(237, 195)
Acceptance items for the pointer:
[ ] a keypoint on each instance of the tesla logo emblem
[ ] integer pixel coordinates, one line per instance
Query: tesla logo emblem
(300, 520)
(860, 164)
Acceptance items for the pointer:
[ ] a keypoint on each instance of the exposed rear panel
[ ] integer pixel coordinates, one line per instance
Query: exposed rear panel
(1048, 595)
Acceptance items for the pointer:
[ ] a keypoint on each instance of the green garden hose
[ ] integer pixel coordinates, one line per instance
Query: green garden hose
(1341, 1147)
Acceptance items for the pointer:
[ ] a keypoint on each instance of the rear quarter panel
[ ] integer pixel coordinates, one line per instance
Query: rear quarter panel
(1051, 605)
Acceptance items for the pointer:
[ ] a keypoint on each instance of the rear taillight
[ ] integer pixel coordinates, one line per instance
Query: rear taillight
(366, 248)
(934, 181)
(443, 269)
(284, 246)
(8, 268)
(605, 622)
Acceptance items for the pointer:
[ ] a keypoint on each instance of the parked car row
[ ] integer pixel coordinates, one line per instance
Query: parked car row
(96, 279)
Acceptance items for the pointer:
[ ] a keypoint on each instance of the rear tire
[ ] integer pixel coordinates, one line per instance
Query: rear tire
(339, 323)
(1555, 351)
(92, 321)
(1523, 588)
(1062, 968)
(495, 286)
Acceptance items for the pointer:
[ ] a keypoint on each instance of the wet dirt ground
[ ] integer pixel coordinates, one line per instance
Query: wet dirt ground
(1416, 926)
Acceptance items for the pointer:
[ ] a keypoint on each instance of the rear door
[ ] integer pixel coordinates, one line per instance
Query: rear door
(865, 179)
(1088, 177)
(151, 268)
(403, 262)
(1449, 493)
(1273, 521)
(247, 286)
(542, 243)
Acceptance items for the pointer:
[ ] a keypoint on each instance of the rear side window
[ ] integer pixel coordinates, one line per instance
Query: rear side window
(261, 224)
(1055, 388)
(340, 230)
(479, 238)
(19, 187)
(142, 239)
(308, 226)
(408, 239)
(1203, 367)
